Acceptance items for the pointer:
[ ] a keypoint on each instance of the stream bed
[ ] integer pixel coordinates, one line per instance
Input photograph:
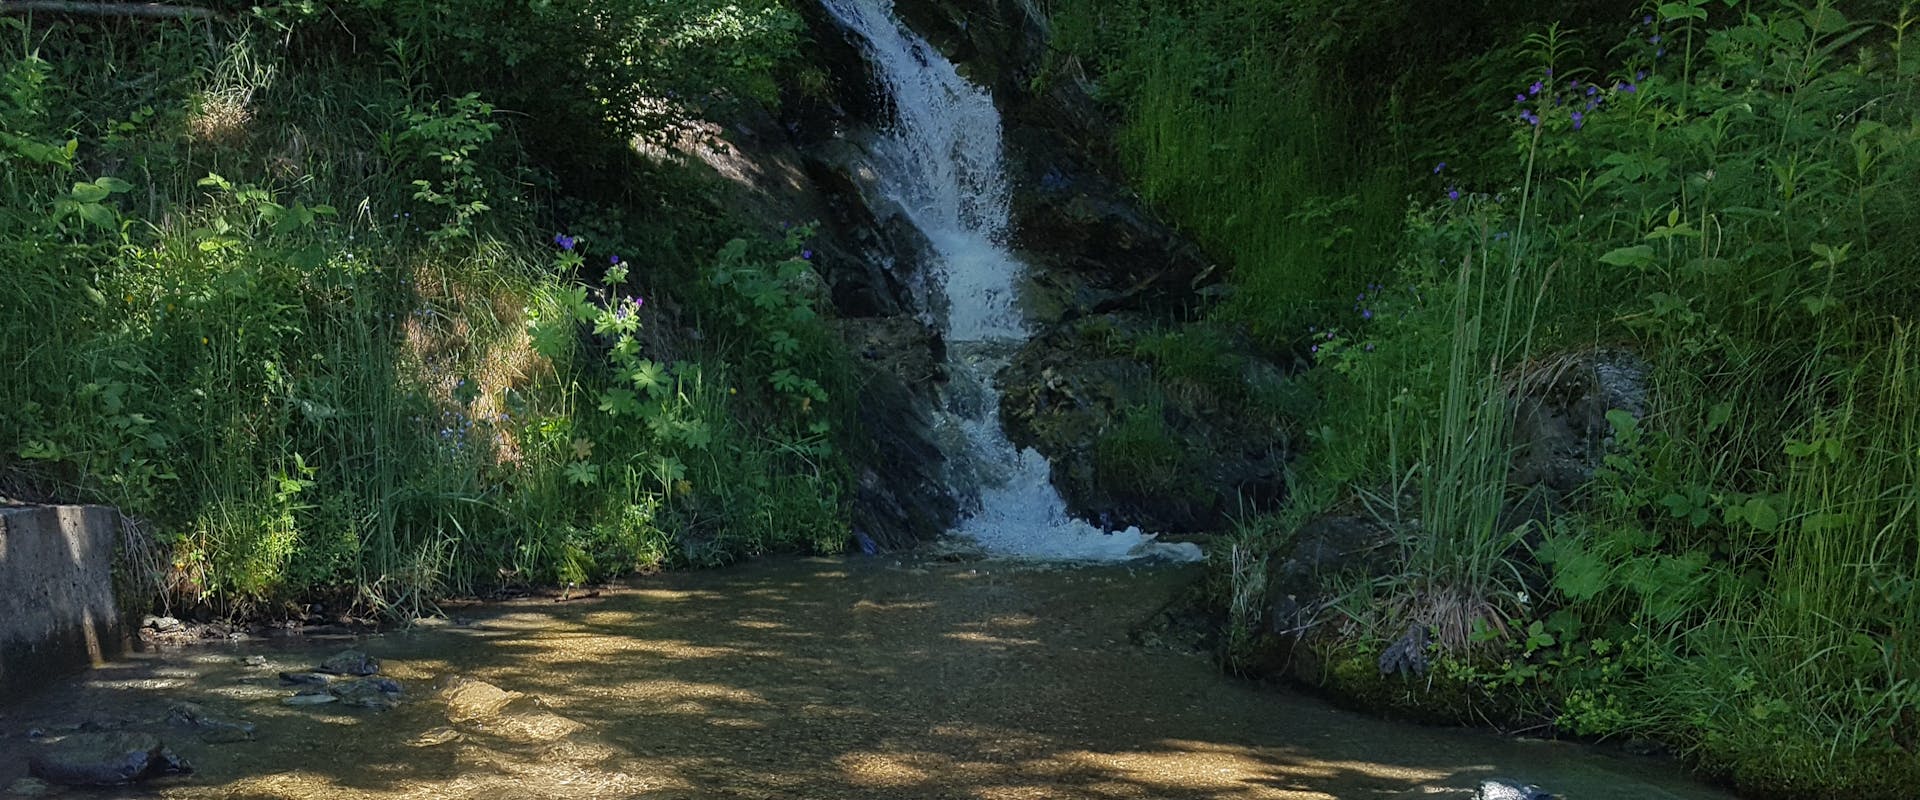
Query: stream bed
(804, 678)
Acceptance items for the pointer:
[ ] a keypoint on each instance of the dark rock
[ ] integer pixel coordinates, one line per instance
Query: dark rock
(349, 662)
(375, 693)
(310, 697)
(1408, 654)
(212, 728)
(1560, 426)
(305, 678)
(1204, 456)
(1094, 248)
(104, 759)
(901, 495)
(1302, 583)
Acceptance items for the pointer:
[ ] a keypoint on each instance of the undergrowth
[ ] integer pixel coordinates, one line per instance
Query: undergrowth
(1723, 189)
(286, 283)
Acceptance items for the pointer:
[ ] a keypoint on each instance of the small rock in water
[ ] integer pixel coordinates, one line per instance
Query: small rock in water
(104, 759)
(1502, 789)
(254, 661)
(28, 787)
(213, 729)
(350, 662)
(378, 694)
(311, 697)
(305, 678)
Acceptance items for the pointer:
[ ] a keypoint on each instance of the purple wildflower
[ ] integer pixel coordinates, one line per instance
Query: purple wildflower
(1453, 193)
(1578, 120)
(1367, 314)
(1655, 39)
(565, 242)
(615, 260)
(1660, 53)
(1535, 88)
(1519, 98)
(1647, 20)
(1438, 167)
(1316, 348)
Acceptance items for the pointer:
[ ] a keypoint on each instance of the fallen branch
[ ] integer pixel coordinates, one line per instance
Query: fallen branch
(159, 10)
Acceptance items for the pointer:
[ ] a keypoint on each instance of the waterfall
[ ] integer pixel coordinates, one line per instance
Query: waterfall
(940, 160)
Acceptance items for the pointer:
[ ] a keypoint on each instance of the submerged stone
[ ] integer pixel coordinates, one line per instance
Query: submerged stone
(212, 728)
(104, 759)
(378, 694)
(311, 697)
(305, 678)
(468, 700)
(28, 787)
(350, 662)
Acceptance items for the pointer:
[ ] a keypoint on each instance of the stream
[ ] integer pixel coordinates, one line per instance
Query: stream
(816, 678)
(909, 677)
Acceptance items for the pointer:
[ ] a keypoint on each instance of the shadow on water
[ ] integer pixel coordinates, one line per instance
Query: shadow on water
(809, 679)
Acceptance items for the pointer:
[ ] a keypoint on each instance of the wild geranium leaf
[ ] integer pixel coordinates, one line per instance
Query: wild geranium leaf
(582, 473)
(649, 376)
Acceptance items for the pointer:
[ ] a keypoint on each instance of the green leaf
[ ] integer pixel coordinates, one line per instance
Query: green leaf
(649, 376)
(89, 193)
(1761, 515)
(1718, 416)
(1638, 256)
(98, 215)
(582, 473)
(1673, 11)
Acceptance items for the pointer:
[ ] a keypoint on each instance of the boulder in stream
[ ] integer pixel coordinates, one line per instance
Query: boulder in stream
(350, 662)
(104, 759)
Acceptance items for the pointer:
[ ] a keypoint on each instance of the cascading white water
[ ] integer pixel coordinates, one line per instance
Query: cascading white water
(940, 160)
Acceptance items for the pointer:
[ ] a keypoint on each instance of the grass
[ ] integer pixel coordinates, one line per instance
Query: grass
(1736, 580)
(347, 367)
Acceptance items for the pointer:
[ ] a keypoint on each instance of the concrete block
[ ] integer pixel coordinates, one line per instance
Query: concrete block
(57, 607)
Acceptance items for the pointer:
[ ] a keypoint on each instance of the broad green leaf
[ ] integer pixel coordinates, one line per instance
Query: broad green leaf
(1639, 256)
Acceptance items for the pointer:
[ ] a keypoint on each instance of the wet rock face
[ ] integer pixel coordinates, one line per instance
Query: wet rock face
(1132, 445)
(1091, 250)
(104, 759)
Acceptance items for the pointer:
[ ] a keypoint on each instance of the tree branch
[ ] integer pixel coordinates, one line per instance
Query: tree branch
(152, 10)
